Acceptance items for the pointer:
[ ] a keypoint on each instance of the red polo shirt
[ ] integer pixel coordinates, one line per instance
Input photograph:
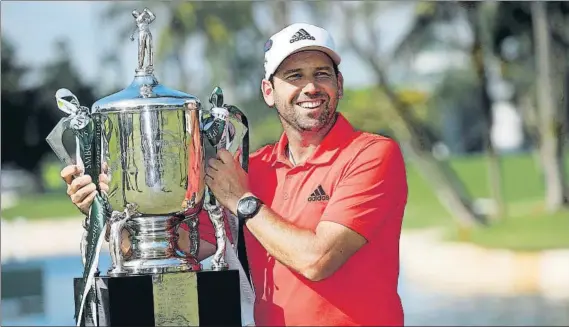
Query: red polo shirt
(355, 179)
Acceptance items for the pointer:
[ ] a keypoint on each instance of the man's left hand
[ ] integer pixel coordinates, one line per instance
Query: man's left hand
(227, 179)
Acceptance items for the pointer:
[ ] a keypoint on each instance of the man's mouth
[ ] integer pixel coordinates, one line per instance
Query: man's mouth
(312, 104)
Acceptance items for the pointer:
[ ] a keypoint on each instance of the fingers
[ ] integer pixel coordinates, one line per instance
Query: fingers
(83, 193)
(104, 187)
(104, 182)
(237, 155)
(209, 175)
(214, 163)
(224, 155)
(104, 178)
(105, 168)
(78, 183)
(69, 172)
(86, 203)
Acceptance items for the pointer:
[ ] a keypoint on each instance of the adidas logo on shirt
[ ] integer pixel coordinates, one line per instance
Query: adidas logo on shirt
(318, 195)
(301, 35)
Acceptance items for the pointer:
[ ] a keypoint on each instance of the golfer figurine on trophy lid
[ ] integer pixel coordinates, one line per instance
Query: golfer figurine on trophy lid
(148, 142)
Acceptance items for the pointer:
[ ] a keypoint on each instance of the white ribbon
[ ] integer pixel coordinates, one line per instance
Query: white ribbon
(247, 292)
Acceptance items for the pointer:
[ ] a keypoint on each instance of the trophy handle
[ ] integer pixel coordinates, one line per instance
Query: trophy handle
(55, 141)
(216, 97)
(213, 127)
(69, 104)
(238, 135)
(84, 129)
(226, 127)
(236, 113)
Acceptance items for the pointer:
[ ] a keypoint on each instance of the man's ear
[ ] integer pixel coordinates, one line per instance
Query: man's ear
(267, 90)
(340, 85)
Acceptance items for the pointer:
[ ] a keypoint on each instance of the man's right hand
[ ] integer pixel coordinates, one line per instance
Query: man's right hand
(81, 189)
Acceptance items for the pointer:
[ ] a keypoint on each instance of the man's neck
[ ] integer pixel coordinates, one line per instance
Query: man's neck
(301, 144)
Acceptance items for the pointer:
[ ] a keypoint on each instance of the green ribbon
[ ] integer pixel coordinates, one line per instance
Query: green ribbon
(90, 152)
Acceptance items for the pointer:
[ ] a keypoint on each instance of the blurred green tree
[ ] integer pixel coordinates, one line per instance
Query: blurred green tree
(12, 71)
(430, 17)
(415, 135)
(29, 112)
(533, 40)
(505, 29)
(480, 51)
(549, 113)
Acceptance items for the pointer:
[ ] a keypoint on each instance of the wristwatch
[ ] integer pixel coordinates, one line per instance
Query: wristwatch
(248, 207)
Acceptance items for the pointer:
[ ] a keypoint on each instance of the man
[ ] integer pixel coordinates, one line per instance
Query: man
(323, 206)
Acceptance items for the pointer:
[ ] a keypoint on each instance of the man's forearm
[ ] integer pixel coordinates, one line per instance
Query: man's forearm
(294, 247)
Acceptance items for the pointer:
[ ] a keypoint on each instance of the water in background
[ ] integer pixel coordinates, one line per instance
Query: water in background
(40, 292)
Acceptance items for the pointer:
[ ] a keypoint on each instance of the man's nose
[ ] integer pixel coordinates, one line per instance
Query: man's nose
(310, 88)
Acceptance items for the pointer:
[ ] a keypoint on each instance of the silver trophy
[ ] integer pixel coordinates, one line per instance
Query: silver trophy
(150, 141)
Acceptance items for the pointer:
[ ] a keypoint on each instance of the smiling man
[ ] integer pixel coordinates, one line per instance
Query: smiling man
(323, 206)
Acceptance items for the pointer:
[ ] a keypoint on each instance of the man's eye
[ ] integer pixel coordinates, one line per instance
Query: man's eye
(293, 76)
(322, 74)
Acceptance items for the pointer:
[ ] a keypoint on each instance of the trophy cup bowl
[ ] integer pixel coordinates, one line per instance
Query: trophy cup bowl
(153, 156)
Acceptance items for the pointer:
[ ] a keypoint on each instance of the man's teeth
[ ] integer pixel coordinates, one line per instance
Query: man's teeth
(311, 104)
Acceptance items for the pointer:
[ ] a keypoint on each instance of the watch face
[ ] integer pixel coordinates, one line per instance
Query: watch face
(249, 206)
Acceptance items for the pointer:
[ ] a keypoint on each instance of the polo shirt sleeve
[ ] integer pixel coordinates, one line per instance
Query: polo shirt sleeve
(372, 189)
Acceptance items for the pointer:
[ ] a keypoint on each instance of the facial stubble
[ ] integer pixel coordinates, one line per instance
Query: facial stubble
(292, 117)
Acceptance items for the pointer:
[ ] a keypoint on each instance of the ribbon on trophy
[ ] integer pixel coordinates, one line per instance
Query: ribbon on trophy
(226, 127)
(230, 126)
(235, 128)
(88, 154)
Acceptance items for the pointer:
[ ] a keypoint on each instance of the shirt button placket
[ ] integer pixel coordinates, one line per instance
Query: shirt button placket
(286, 186)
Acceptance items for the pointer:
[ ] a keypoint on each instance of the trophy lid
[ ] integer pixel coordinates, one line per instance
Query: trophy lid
(145, 92)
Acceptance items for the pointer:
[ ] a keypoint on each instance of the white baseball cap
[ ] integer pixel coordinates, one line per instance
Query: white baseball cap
(294, 38)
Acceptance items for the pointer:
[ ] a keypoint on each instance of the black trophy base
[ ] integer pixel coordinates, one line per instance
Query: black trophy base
(203, 298)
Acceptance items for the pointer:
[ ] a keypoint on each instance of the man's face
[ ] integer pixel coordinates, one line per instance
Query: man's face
(305, 91)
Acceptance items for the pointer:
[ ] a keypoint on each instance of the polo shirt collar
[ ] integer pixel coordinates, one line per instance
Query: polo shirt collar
(338, 135)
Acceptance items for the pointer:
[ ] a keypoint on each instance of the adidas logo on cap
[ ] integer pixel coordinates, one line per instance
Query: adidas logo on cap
(302, 34)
